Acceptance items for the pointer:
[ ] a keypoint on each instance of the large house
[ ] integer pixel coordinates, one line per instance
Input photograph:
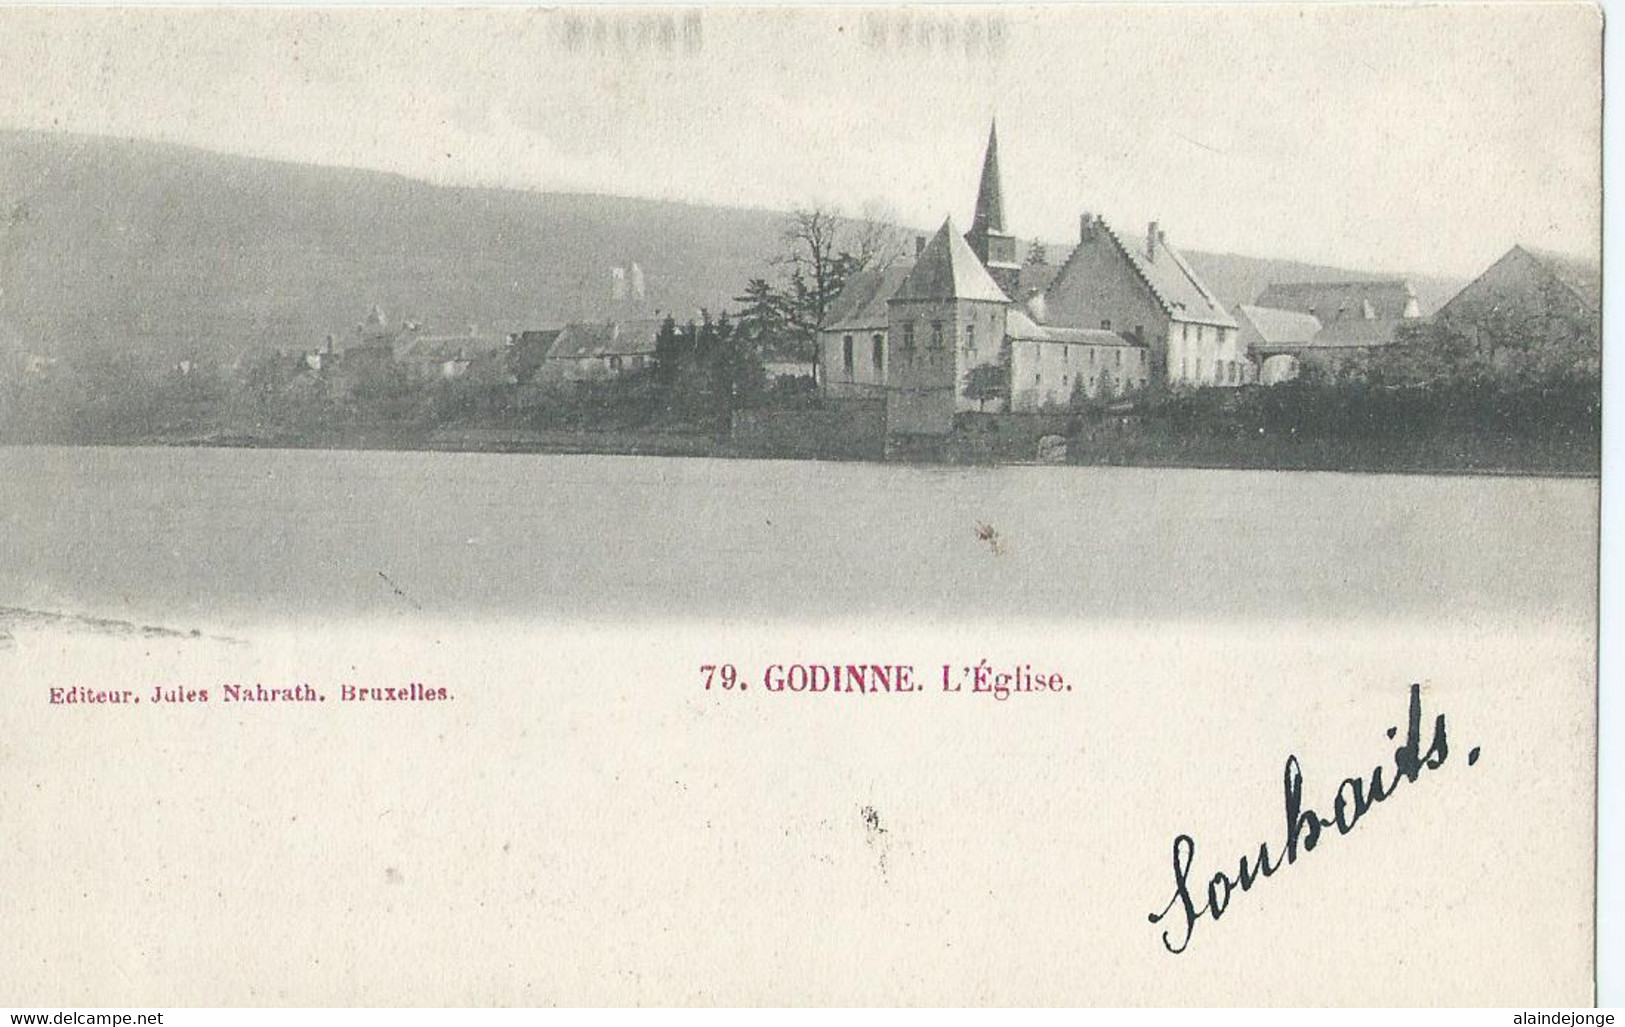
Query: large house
(1144, 289)
(1117, 314)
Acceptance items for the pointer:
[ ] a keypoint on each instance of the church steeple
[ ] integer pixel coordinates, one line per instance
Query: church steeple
(995, 247)
(990, 196)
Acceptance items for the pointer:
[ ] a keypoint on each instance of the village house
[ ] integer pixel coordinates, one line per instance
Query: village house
(429, 357)
(1334, 326)
(528, 350)
(1116, 315)
(1145, 290)
(1050, 366)
(1552, 297)
(592, 351)
(1374, 300)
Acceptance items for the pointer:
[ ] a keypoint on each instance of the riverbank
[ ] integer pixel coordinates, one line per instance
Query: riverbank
(1459, 455)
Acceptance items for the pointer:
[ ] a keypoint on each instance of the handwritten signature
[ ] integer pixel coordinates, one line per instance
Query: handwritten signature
(1354, 799)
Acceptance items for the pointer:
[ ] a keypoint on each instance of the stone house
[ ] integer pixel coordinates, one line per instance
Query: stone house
(1051, 366)
(1146, 290)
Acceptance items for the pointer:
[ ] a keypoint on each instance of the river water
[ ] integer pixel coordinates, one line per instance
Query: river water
(208, 536)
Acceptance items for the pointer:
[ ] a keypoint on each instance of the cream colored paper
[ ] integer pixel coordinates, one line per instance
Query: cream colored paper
(582, 821)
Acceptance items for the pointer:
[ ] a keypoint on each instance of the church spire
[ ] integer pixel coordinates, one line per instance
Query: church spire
(990, 196)
(988, 240)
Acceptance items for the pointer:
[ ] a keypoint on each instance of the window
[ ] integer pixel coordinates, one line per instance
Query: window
(1066, 354)
(908, 339)
(1184, 368)
(1139, 331)
(846, 354)
(1201, 333)
(1218, 371)
(878, 341)
(1185, 332)
(970, 340)
(936, 334)
(1119, 360)
(615, 364)
(1091, 355)
(1105, 324)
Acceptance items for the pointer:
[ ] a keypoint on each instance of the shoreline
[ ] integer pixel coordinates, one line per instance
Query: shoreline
(708, 448)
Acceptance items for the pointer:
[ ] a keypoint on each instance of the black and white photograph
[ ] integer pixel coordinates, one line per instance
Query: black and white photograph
(933, 505)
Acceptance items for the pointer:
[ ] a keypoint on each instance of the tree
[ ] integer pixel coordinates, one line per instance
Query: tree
(818, 269)
(873, 239)
(735, 370)
(671, 352)
(764, 318)
(823, 250)
(987, 382)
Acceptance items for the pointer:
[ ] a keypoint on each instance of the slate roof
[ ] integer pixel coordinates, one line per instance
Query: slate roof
(1278, 327)
(861, 303)
(1386, 299)
(1583, 277)
(1022, 328)
(581, 340)
(949, 269)
(1358, 333)
(990, 194)
(440, 348)
(1034, 278)
(538, 337)
(1177, 288)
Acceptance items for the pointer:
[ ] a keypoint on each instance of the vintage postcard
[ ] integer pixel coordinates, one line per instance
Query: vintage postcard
(930, 505)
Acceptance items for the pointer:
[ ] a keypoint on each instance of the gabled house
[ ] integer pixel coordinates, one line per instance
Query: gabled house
(1350, 321)
(1557, 295)
(1145, 289)
(588, 350)
(427, 357)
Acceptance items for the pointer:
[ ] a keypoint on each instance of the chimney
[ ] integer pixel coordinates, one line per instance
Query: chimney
(1153, 237)
(1086, 227)
(919, 245)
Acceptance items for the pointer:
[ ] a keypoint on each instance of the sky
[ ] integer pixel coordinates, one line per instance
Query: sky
(1425, 139)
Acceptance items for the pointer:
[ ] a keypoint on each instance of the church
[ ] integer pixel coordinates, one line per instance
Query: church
(1118, 313)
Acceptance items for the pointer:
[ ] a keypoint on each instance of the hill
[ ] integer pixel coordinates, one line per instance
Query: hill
(170, 249)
